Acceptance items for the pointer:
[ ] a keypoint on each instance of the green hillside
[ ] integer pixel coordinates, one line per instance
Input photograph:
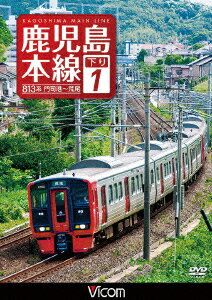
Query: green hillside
(146, 20)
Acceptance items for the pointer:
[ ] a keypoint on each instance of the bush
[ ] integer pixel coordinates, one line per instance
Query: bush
(3, 215)
(13, 205)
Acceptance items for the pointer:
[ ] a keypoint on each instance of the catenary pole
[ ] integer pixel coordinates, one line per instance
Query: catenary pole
(209, 103)
(124, 108)
(179, 173)
(113, 121)
(78, 129)
(147, 170)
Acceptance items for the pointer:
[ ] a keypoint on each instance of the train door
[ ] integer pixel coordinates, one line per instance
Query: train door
(104, 208)
(59, 210)
(161, 179)
(127, 195)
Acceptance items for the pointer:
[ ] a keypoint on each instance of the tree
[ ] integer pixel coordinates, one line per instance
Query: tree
(196, 46)
(64, 109)
(27, 152)
(173, 59)
(188, 60)
(159, 61)
(5, 38)
(11, 178)
(38, 122)
(141, 55)
(156, 73)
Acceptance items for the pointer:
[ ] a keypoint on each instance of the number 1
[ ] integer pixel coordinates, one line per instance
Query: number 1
(96, 73)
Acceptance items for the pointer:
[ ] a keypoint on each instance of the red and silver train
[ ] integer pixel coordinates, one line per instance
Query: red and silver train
(97, 197)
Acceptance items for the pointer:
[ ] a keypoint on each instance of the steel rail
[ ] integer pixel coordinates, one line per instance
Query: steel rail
(27, 270)
(6, 241)
(141, 104)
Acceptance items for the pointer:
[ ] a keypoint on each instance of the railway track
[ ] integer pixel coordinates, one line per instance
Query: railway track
(135, 120)
(54, 263)
(159, 122)
(15, 238)
(37, 270)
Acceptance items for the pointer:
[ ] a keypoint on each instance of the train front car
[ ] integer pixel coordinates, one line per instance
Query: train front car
(62, 213)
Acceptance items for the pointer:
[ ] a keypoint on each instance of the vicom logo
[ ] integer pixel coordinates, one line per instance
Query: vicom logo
(106, 292)
(195, 271)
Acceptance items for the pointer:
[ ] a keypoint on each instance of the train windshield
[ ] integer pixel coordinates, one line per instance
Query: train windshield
(39, 196)
(79, 192)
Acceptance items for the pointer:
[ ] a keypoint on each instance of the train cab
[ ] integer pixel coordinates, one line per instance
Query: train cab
(60, 214)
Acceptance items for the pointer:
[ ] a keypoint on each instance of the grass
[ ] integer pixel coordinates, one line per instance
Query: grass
(13, 209)
(173, 265)
(11, 224)
(202, 87)
(163, 111)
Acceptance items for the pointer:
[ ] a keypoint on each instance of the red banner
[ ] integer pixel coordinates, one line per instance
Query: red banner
(66, 56)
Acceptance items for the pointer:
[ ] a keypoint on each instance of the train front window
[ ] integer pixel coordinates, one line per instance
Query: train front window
(80, 200)
(39, 196)
(79, 193)
(60, 206)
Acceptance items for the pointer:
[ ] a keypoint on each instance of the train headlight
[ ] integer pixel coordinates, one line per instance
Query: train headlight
(81, 226)
(42, 229)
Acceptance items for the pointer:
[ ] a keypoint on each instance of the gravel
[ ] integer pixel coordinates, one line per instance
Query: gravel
(113, 255)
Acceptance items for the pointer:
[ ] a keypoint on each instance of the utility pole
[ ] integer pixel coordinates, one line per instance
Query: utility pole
(179, 173)
(78, 129)
(124, 106)
(209, 103)
(113, 121)
(147, 170)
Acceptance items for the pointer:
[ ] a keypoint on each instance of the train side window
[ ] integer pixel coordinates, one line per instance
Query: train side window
(116, 192)
(137, 183)
(120, 190)
(110, 191)
(142, 183)
(158, 174)
(186, 159)
(103, 195)
(165, 169)
(193, 154)
(170, 168)
(133, 185)
(126, 186)
(152, 177)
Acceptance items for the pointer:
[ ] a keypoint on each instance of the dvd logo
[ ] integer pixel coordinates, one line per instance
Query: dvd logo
(106, 292)
(195, 271)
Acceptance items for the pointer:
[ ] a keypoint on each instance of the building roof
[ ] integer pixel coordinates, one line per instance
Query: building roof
(201, 61)
(179, 66)
(7, 75)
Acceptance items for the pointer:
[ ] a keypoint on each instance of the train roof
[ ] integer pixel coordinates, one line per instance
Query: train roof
(97, 168)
